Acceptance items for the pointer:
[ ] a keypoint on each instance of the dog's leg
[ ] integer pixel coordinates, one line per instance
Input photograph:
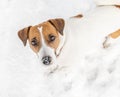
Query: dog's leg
(106, 42)
(110, 38)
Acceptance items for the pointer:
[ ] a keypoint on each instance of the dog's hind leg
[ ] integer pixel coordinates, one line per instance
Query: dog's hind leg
(111, 38)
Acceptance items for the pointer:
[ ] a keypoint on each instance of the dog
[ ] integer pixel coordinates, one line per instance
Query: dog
(73, 37)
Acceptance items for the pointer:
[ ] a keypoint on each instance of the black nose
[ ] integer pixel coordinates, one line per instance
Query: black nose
(46, 60)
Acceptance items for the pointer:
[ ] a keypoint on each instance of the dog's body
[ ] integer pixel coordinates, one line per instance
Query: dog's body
(74, 36)
(88, 33)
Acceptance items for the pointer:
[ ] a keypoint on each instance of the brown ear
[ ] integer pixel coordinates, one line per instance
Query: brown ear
(23, 34)
(58, 24)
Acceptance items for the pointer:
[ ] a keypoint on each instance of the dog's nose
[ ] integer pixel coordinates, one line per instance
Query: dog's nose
(47, 60)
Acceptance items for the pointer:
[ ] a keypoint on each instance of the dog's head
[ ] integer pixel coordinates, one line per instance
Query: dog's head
(45, 39)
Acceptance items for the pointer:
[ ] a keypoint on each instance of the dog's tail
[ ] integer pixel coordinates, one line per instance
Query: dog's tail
(107, 2)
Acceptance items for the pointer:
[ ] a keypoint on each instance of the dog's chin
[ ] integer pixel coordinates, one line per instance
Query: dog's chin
(50, 69)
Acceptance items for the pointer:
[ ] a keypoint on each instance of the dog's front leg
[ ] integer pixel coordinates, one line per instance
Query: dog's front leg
(111, 38)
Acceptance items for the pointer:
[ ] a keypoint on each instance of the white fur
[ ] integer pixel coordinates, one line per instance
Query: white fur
(108, 41)
(45, 50)
(86, 35)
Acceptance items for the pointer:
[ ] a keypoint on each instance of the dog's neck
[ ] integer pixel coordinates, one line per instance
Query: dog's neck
(61, 45)
(65, 39)
(62, 42)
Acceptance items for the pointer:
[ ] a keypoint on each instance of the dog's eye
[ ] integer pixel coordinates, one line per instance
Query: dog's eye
(51, 38)
(34, 42)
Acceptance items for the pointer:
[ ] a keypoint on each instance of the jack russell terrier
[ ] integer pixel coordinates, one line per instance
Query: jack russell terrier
(48, 40)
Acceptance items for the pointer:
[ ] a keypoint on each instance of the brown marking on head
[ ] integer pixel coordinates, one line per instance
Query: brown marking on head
(118, 6)
(58, 24)
(35, 39)
(51, 35)
(78, 16)
(50, 32)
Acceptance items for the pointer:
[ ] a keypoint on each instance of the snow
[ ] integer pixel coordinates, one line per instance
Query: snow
(107, 2)
(21, 75)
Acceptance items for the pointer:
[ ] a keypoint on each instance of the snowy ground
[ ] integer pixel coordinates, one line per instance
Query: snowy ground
(22, 76)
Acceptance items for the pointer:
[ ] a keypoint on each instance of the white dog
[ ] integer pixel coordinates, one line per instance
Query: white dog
(63, 42)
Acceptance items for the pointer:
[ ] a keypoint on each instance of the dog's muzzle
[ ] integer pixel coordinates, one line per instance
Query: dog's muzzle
(47, 60)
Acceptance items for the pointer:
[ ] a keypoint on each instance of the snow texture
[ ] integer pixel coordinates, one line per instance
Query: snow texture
(107, 2)
(21, 75)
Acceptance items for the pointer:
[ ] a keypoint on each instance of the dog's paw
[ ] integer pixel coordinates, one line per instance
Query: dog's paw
(107, 42)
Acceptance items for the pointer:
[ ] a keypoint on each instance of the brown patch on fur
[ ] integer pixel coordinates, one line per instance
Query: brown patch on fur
(23, 34)
(47, 30)
(58, 24)
(118, 6)
(35, 34)
(78, 16)
(115, 34)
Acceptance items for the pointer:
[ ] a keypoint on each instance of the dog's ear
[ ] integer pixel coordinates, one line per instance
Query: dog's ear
(23, 34)
(58, 24)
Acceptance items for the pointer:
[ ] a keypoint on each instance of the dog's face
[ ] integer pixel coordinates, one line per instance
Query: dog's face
(44, 39)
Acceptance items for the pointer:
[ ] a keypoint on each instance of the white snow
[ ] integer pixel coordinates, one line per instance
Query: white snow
(107, 2)
(21, 75)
